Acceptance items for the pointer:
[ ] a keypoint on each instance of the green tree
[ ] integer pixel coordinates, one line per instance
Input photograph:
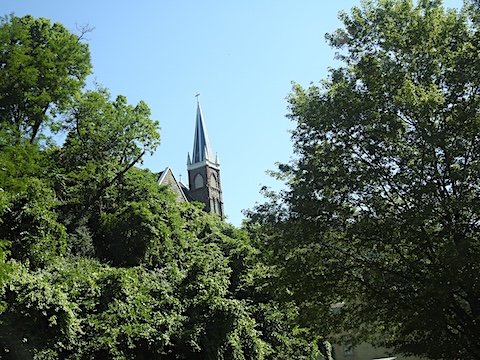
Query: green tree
(105, 140)
(84, 309)
(382, 207)
(29, 223)
(138, 222)
(96, 259)
(184, 306)
(105, 130)
(281, 317)
(41, 67)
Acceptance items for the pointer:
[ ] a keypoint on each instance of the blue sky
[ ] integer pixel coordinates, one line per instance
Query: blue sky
(241, 56)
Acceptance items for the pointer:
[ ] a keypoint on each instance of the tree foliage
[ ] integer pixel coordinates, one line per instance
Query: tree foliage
(96, 259)
(101, 129)
(381, 212)
(42, 66)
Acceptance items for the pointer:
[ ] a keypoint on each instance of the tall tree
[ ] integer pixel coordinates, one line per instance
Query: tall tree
(105, 130)
(381, 212)
(106, 139)
(41, 67)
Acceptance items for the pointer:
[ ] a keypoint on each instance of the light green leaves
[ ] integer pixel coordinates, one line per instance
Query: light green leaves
(42, 67)
(102, 129)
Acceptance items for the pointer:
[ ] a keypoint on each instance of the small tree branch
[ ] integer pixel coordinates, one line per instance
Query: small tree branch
(83, 30)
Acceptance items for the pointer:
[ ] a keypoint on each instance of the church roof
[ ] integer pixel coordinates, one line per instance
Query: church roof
(166, 177)
(201, 144)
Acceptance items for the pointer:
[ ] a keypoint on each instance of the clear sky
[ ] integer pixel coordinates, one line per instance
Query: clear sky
(241, 56)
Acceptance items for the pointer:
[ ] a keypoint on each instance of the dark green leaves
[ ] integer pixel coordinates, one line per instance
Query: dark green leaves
(382, 208)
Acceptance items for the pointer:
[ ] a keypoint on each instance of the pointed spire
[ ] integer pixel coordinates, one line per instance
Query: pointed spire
(201, 144)
(189, 162)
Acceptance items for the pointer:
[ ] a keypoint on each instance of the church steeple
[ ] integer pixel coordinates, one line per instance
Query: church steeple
(202, 152)
(204, 170)
(201, 144)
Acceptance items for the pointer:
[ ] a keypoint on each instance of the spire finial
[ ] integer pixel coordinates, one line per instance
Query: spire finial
(197, 95)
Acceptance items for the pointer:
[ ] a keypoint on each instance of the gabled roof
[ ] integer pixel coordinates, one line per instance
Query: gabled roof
(166, 177)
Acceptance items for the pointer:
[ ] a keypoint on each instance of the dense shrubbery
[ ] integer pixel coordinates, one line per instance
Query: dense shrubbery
(97, 260)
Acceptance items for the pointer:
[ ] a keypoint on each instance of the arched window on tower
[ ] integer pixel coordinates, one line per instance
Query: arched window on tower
(213, 181)
(198, 181)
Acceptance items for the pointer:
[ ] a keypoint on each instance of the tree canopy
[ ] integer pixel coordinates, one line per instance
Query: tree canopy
(381, 214)
(97, 260)
(42, 66)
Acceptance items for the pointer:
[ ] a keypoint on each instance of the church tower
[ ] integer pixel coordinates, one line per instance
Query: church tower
(203, 170)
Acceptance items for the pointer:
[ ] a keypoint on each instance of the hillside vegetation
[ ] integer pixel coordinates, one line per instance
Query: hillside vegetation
(97, 260)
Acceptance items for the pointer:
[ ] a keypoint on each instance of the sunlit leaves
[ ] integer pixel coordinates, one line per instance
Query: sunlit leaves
(102, 129)
(382, 205)
(42, 66)
(96, 259)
